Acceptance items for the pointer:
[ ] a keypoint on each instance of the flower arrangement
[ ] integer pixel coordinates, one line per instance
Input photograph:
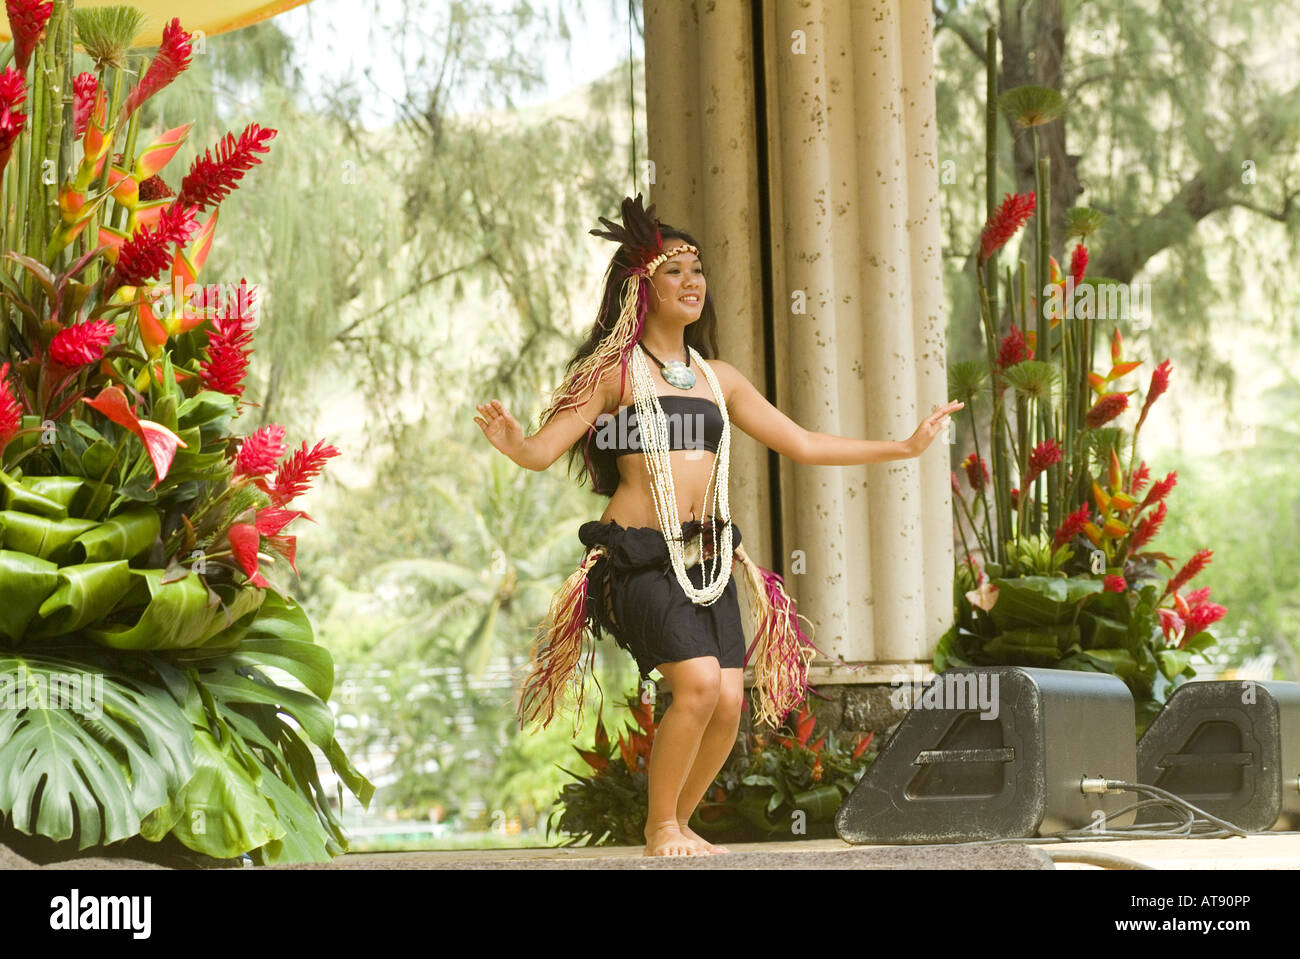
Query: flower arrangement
(784, 787)
(1061, 573)
(141, 535)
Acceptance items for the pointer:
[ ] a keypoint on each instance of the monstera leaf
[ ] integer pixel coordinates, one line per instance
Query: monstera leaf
(93, 765)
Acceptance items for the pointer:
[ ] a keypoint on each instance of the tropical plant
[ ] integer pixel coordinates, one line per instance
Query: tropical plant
(784, 787)
(140, 534)
(1055, 582)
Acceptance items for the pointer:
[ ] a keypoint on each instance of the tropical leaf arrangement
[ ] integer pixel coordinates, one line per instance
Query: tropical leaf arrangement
(1060, 572)
(143, 541)
(783, 787)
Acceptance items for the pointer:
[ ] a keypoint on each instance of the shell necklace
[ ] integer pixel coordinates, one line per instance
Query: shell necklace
(653, 427)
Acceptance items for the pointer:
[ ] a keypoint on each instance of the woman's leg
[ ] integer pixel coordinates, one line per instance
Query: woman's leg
(695, 686)
(715, 746)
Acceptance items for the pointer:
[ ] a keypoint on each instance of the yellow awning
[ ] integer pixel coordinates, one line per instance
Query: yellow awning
(210, 16)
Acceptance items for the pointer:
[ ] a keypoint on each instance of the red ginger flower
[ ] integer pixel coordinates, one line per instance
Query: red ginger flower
(210, 181)
(1160, 489)
(259, 453)
(1201, 617)
(1013, 349)
(1149, 525)
(1190, 569)
(1045, 454)
(1004, 223)
(13, 91)
(172, 59)
(84, 87)
(1015, 498)
(27, 19)
(1139, 479)
(11, 411)
(1070, 527)
(1078, 263)
(229, 350)
(1159, 384)
(977, 473)
(154, 188)
(81, 345)
(1114, 584)
(295, 473)
(148, 252)
(1105, 410)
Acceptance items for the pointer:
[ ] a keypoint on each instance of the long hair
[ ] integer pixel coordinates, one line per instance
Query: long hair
(600, 464)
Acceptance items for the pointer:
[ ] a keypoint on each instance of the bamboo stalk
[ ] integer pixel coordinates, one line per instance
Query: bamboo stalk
(991, 148)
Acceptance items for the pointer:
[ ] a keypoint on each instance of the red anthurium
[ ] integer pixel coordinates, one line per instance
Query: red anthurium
(158, 440)
(244, 540)
(11, 411)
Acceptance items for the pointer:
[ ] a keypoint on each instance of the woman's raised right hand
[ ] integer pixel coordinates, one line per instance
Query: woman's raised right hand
(502, 430)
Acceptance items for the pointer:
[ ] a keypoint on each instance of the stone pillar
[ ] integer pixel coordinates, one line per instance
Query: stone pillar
(849, 339)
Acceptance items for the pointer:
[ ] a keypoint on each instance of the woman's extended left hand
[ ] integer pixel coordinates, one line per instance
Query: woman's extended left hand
(919, 441)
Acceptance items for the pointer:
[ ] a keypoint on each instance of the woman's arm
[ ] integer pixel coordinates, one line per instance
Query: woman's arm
(539, 451)
(750, 410)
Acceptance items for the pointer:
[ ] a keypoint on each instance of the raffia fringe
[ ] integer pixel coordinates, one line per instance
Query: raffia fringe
(580, 383)
(780, 652)
(563, 655)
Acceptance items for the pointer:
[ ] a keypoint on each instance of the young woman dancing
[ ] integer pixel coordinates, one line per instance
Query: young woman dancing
(660, 585)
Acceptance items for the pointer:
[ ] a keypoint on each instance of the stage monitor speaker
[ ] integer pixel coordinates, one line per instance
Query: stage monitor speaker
(1230, 747)
(997, 753)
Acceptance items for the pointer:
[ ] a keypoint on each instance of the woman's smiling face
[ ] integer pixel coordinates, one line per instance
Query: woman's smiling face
(679, 283)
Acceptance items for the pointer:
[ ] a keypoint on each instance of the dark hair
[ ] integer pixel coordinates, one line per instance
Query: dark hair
(702, 335)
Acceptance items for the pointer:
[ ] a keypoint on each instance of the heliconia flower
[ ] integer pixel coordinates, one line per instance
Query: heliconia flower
(260, 452)
(1097, 382)
(863, 743)
(1121, 501)
(1114, 584)
(1004, 223)
(1149, 525)
(159, 152)
(977, 473)
(1189, 570)
(13, 91)
(1092, 532)
(84, 88)
(1160, 489)
(1114, 528)
(1106, 409)
(229, 350)
(1139, 478)
(1101, 497)
(1045, 454)
(171, 60)
(1159, 384)
(27, 20)
(1114, 474)
(210, 181)
(295, 472)
(1078, 263)
(1013, 348)
(1116, 346)
(81, 345)
(244, 540)
(11, 411)
(158, 440)
(1070, 527)
(147, 253)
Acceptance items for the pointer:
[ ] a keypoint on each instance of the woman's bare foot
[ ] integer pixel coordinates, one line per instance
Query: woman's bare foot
(695, 837)
(668, 840)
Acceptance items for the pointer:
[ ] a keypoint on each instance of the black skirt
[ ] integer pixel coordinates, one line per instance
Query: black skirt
(633, 594)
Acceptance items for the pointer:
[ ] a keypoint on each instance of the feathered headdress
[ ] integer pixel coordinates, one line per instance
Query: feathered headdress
(640, 238)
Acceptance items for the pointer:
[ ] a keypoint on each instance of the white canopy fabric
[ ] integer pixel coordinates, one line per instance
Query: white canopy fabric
(209, 16)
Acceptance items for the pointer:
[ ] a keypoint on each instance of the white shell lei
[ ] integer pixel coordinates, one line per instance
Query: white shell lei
(654, 444)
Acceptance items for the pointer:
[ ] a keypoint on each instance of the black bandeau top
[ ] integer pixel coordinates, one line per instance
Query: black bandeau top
(694, 423)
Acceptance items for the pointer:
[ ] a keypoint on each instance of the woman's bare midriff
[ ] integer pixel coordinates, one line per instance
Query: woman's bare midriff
(633, 504)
